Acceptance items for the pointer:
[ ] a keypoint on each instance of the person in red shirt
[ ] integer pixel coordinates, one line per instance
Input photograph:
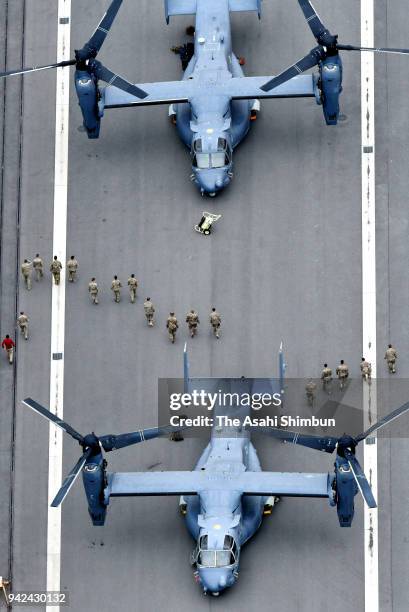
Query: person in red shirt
(8, 345)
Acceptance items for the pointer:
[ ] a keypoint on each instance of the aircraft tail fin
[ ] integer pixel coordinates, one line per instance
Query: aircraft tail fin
(245, 5)
(281, 368)
(188, 7)
(185, 370)
(179, 7)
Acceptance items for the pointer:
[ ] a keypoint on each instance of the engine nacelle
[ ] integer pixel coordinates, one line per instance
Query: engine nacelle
(346, 489)
(94, 478)
(330, 85)
(87, 92)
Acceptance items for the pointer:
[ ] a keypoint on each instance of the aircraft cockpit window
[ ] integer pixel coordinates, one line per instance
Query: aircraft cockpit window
(201, 160)
(221, 144)
(217, 558)
(219, 160)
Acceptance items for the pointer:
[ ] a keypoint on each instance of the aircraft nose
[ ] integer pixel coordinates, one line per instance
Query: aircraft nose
(211, 181)
(215, 580)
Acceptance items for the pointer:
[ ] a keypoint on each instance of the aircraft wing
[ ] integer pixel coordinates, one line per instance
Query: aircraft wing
(166, 92)
(124, 484)
(245, 88)
(287, 484)
(240, 88)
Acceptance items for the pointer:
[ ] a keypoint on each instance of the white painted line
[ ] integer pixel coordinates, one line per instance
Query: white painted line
(369, 297)
(58, 297)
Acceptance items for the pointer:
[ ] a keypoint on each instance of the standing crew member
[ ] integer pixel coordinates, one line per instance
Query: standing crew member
(55, 268)
(22, 322)
(132, 284)
(116, 288)
(38, 267)
(391, 356)
(192, 320)
(326, 377)
(310, 389)
(8, 346)
(172, 326)
(149, 311)
(342, 373)
(93, 290)
(72, 266)
(215, 322)
(26, 272)
(366, 369)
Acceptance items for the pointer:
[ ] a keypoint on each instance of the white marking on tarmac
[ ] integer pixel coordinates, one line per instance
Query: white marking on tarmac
(58, 297)
(369, 297)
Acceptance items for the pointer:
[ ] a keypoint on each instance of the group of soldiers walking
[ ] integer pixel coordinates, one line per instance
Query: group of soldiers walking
(192, 320)
(37, 266)
(172, 324)
(342, 372)
(116, 287)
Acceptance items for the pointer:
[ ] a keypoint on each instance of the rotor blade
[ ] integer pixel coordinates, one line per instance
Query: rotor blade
(373, 49)
(382, 422)
(309, 61)
(113, 79)
(360, 478)
(100, 34)
(112, 442)
(315, 23)
(70, 479)
(37, 68)
(326, 444)
(53, 417)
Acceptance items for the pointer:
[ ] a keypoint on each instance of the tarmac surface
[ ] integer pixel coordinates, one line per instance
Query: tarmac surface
(283, 264)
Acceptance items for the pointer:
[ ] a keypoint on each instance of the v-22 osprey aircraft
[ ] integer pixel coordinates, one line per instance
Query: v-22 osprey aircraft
(225, 497)
(214, 102)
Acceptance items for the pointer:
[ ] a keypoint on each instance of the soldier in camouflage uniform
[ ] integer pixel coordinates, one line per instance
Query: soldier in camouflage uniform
(326, 377)
(116, 288)
(55, 268)
(132, 284)
(215, 322)
(149, 311)
(366, 369)
(26, 272)
(38, 267)
(93, 290)
(391, 356)
(342, 373)
(192, 320)
(172, 326)
(310, 389)
(22, 322)
(72, 267)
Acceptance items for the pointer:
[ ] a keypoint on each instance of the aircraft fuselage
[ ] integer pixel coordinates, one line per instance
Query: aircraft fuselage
(212, 125)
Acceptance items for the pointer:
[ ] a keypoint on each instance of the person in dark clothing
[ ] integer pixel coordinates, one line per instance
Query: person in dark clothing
(185, 53)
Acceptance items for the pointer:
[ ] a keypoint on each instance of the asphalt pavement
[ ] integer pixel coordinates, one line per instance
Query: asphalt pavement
(283, 264)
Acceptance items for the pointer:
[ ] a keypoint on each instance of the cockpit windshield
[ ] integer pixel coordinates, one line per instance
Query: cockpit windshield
(202, 160)
(217, 557)
(217, 159)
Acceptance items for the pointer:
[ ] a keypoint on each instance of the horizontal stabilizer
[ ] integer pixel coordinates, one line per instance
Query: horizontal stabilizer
(179, 7)
(123, 484)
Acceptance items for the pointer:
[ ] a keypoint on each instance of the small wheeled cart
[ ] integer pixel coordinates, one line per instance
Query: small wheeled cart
(205, 224)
